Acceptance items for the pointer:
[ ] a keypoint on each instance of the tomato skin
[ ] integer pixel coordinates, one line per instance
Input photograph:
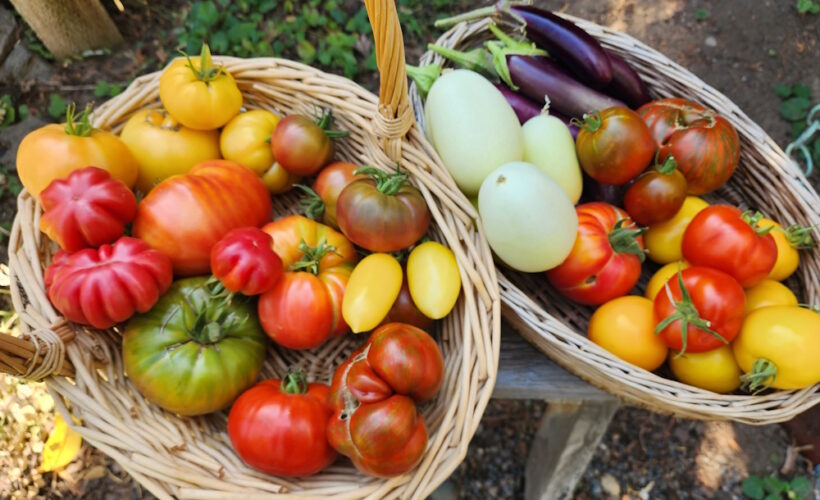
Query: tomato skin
(375, 421)
(163, 147)
(618, 150)
(704, 144)
(787, 336)
(245, 139)
(278, 180)
(769, 293)
(625, 326)
(434, 279)
(788, 258)
(714, 370)
(595, 272)
(655, 197)
(382, 222)
(371, 291)
(301, 146)
(188, 371)
(199, 103)
(282, 433)
(720, 238)
(87, 209)
(329, 185)
(404, 310)
(664, 240)
(244, 261)
(184, 216)
(717, 297)
(658, 280)
(303, 309)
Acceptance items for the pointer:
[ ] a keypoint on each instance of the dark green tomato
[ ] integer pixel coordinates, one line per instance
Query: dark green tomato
(196, 350)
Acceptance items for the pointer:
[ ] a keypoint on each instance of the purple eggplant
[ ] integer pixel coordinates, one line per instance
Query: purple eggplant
(537, 77)
(573, 128)
(626, 84)
(598, 191)
(524, 107)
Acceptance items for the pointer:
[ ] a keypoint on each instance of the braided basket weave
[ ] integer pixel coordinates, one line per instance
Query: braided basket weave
(192, 457)
(766, 180)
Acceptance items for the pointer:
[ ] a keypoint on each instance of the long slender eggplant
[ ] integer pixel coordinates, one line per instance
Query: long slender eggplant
(524, 107)
(626, 84)
(573, 128)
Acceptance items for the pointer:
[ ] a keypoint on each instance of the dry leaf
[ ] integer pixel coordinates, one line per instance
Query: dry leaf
(95, 472)
(610, 485)
(62, 446)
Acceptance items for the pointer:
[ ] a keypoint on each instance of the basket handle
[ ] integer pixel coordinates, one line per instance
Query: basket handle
(395, 117)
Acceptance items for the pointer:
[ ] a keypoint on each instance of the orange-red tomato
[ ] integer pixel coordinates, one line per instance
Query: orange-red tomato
(329, 185)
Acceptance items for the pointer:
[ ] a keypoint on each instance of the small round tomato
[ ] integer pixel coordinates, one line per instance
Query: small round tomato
(384, 213)
(330, 182)
(605, 261)
(371, 290)
(278, 180)
(626, 327)
(769, 293)
(614, 145)
(244, 261)
(279, 427)
(663, 240)
(700, 310)
(434, 279)
(714, 370)
(788, 242)
(246, 139)
(163, 147)
(779, 347)
(656, 195)
(404, 310)
(199, 94)
(725, 238)
(658, 280)
(303, 146)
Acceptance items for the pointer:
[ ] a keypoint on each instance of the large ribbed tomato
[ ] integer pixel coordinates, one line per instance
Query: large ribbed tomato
(605, 261)
(374, 393)
(185, 215)
(704, 144)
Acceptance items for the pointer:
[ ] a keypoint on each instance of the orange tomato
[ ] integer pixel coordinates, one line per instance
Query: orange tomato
(626, 327)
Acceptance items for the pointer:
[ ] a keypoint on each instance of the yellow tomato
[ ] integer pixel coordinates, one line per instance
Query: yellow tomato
(779, 347)
(163, 147)
(371, 290)
(246, 139)
(769, 293)
(54, 151)
(198, 94)
(278, 180)
(433, 279)
(714, 370)
(661, 277)
(788, 257)
(663, 241)
(626, 327)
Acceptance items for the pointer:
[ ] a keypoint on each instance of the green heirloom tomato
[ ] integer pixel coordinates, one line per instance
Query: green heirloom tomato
(196, 350)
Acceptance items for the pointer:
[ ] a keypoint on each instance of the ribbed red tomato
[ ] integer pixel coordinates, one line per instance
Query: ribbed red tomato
(105, 286)
(86, 209)
(185, 215)
(704, 144)
(244, 261)
(279, 427)
(605, 261)
(374, 393)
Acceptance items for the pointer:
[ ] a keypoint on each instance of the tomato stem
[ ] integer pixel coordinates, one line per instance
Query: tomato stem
(667, 167)
(311, 256)
(325, 122)
(624, 239)
(389, 184)
(213, 318)
(763, 374)
(207, 72)
(81, 127)
(799, 237)
(294, 382)
(753, 219)
(591, 123)
(311, 204)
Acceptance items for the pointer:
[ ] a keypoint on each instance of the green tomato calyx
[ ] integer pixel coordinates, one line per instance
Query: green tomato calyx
(388, 184)
(667, 167)
(311, 256)
(207, 71)
(311, 204)
(294, 383)
(799, 237)
(762, 376)
(213, 319)
(624, 239)
(687, 314)
(753, 219)
(325, 122)
(591, 123)
(78, 127)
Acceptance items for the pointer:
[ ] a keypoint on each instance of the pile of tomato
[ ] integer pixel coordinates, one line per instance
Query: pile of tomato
(199, 278)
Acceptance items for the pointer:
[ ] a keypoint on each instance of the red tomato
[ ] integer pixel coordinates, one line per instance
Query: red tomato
(303, 146)
(705, 312)
(279, 427)
(656, 195)
(185, 215)
(384, 213)
(723, 237)
(605, 261)
(326, 189)
(704, 144)
(404, 310)
(86, 209)
(375, 421)
(107, 286)
(244, 261)
(304, 308)
(614, 145)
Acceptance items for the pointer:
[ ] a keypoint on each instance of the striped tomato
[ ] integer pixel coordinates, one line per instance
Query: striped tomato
(704, 144)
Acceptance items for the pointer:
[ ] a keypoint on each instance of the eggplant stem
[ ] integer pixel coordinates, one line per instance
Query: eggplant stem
(424, 77)
(466, 16)
(478, 60)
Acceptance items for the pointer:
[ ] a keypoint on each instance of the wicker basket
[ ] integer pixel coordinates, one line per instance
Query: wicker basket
(766, 179)
(192, 457)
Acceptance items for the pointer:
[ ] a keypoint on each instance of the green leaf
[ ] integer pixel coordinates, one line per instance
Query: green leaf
(306, 51)
(7, 111)
(808, 7)
(801, 485)
(753, 487)
(783, 91)
(56, 106)
(801, 90)
(798, 128)
(701, 14)
(23, 112)
(774, 485)
(101, 89)
(795, 108)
